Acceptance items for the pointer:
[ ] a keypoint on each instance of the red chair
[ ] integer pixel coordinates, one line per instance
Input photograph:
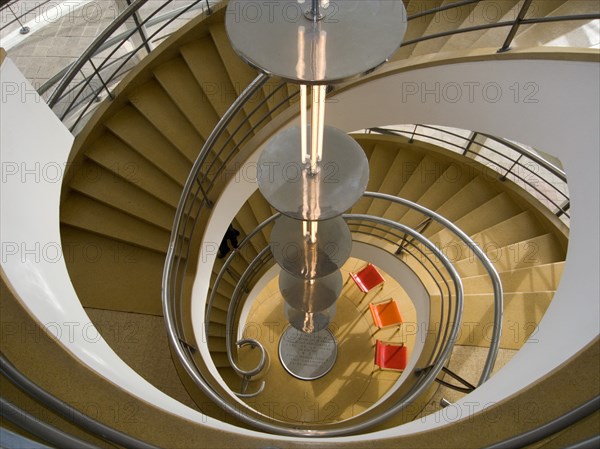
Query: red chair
(390, 356)
(386, 313)
(368, 278)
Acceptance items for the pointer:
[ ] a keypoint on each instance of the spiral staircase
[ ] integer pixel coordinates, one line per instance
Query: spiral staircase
(127, 171)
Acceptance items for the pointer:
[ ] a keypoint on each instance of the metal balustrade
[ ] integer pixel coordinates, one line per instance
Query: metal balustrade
(449, 314)
(200, 186)
(549, 187)
(73, 100)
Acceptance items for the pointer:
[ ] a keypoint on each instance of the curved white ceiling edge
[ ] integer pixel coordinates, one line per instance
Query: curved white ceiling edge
(563, 122)
(33, 164)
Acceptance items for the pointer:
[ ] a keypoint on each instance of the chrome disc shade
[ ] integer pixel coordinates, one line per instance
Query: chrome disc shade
(353, 37)
(295, 253)
(308, 322)
(285, 182)
(310, 296)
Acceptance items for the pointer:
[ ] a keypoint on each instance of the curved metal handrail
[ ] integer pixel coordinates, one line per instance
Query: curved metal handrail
(422, 382)
(487, 264)
(465, 148)
(93, 48)
(242, 281)
(101, 41)
(67, 411)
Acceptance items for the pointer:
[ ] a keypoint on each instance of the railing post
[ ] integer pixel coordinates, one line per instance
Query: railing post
(474, 136)
(504, 176)
(412, 137)
(141, 29)
(24, 29)
(209, 203)
(515, 27)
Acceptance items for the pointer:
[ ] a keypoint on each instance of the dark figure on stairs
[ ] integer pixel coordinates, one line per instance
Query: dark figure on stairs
(230, 236)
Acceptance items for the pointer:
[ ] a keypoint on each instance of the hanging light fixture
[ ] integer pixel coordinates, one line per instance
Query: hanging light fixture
(324, 43)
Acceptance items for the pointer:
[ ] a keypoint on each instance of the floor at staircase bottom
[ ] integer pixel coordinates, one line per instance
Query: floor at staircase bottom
(354, 383)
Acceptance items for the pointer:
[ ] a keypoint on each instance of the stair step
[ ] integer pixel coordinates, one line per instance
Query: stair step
(398, 173)
(473, 195)
(248, 222)
(220, 359)
(180, 84)
(221, 302)
(218, 316)
(425, 175)
(485, 12)
(495, 211)
(131, 127)
(522, 314)
(205, 63)
(521, 227)
(114, 155)
(416, 27)
(446, 186)
(261, 211)
(540, 250)
(120, 194)
(216, 330)
(113, 275)
(240, 73)
(494, 37)
(451, 20)
(157, 107)
(535, 278)
(536, 35)
(217, 344)
(88, 214)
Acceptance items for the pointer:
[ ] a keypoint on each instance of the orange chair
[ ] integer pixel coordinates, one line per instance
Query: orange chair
(390, 356)
(367, 278)
(386, 313)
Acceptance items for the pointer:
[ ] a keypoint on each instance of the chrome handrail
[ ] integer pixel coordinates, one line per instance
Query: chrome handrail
(422, 382)
(513, 24)
(560, 209)
(242, 280)
(485, 261)
(104, 41)
(67, 411)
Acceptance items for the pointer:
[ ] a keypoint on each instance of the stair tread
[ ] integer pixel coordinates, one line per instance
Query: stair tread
(130, 126)
(544, 277)
(180, 84)
(416, 27)
(516, 228)
(485, 12)
(205, 63)
(449, 183)
(421, 179)
(111, 274)
(157, 107)
(86, 213)
(116, 192)
(114, 155)
(240, 73)
(473, 195)
(455, 17)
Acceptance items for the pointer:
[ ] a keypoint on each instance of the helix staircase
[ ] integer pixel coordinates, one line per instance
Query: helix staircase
(130, 168)
(130, 162)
